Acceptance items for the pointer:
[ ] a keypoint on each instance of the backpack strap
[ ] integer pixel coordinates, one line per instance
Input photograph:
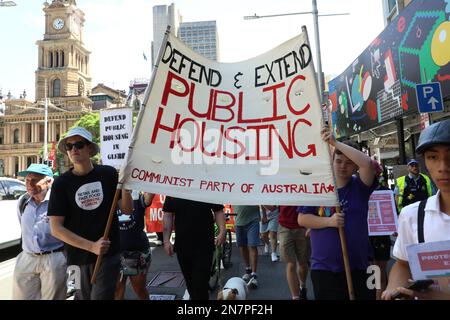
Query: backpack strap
(23, 202)
(420, 220)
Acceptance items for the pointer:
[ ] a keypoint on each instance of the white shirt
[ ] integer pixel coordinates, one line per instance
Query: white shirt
(436, 226)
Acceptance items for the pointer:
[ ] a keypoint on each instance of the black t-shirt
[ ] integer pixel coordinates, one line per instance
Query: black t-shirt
(85, 202)
(194, 223)
(132, 235)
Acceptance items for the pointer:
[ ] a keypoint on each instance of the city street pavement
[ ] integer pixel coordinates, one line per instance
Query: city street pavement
(271, 276)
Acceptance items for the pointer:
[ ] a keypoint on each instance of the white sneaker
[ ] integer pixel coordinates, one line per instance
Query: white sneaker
(158, 242)
(266, 249)
(246, 277)
(253, 282)
(274, 257)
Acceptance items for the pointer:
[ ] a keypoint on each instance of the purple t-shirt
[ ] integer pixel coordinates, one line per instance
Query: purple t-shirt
(326, 251)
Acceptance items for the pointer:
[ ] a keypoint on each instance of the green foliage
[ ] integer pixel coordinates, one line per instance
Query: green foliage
(91, 122)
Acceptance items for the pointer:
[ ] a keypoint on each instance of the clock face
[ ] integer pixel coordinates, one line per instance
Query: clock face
(58, 23)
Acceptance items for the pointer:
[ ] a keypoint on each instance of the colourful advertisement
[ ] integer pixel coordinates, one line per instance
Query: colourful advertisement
(380, 85)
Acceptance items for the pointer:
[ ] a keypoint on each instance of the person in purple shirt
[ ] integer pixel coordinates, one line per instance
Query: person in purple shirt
(327, 266)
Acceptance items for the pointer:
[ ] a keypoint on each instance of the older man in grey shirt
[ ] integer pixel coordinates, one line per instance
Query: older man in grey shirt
(40, 271)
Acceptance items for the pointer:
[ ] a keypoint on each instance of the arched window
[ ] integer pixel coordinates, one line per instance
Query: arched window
(63, 62)
(56, 59)
(56, 88)
(80, 88)
(50, 59)
(16, 136)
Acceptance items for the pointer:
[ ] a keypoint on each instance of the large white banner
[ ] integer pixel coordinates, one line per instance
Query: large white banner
(116, 127)
(238, 133)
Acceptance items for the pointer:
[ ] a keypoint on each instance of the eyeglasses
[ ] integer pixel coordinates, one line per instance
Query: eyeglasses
(79, 145)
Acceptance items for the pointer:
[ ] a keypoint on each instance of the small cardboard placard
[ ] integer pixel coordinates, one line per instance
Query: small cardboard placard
(382, 217)
(431, 261)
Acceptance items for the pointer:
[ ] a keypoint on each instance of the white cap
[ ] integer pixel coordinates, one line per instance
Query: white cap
(82, 132)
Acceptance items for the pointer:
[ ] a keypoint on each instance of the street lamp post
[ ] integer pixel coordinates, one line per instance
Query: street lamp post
(320, 79)
(46, 124)
(316, 16)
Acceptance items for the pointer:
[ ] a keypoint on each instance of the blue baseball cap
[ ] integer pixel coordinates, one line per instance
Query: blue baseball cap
(412, 161)
(37, 168)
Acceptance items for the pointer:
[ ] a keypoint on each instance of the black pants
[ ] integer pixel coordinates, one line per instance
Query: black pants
(196, 268)
(106, 281)
(333, 286)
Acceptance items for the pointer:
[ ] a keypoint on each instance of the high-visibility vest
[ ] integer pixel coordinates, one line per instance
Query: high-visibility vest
(401, 188)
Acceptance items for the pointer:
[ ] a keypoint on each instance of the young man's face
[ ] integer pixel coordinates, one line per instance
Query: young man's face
(344, 167)
(437, 160)
(80, 150)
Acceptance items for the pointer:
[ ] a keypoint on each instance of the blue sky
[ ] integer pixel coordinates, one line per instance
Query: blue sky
(117, 32)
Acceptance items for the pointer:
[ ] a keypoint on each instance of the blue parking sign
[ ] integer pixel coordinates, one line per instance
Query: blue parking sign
(429, 97)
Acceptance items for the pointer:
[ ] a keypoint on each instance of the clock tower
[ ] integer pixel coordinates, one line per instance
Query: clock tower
(63, 62)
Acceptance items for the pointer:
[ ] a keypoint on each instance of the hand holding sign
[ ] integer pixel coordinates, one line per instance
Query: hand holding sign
(328, 136)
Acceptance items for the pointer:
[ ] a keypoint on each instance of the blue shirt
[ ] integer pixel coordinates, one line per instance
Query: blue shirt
(35, 225)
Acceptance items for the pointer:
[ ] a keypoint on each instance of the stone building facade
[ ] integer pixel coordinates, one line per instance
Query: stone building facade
(62, 79)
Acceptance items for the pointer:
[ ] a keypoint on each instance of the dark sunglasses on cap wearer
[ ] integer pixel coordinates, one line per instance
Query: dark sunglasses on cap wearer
(79, 145)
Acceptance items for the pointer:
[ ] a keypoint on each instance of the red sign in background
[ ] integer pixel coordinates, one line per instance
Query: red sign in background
(435, 260)
(154, 215)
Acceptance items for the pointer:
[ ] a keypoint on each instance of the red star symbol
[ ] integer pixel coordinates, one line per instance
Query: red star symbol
(330, 188)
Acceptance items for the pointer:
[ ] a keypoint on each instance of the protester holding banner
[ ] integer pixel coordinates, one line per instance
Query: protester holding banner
(79, 207)
(247, 239)
(194, 241)
(135, 252)
(426, 221)
(327, 269)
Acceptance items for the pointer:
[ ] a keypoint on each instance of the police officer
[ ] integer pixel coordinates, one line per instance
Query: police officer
(414, 187)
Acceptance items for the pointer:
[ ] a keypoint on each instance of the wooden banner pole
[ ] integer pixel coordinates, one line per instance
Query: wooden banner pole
(348, 274)
(112, 212)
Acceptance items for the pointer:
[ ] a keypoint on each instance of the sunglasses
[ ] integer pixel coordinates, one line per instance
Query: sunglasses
(79, 145)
